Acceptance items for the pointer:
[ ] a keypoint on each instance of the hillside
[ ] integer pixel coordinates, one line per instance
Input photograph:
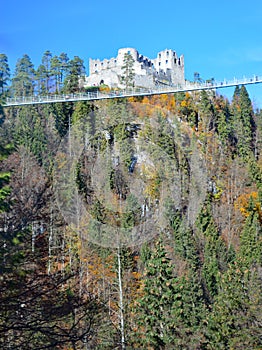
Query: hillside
(132, 224)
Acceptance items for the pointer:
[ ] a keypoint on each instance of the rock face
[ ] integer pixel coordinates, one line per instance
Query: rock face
(166, 69)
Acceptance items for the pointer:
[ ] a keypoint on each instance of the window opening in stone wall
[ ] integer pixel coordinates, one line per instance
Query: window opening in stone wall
(167, 53)
(175, 60)
(159, 63)
(159, 55)
(166, 61)
(102, 82)
(179, 61)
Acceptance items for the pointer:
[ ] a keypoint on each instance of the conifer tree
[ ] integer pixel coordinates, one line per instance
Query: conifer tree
(64, 66)
(46, 63)
(24, 78)
(242, 111)
(76, 71)
(251, 236)
(206, 111)
(128, 71)
(56, 72)
(214, 251)
(236, 316)
(235, 320)
(159, 301)
(4, 72)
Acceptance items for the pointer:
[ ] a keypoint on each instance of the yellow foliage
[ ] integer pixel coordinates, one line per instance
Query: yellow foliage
(243, 201)
(184, 103)
(161, 102)
(104, 88)
(131, 99)
(145, 100)
(136, 275)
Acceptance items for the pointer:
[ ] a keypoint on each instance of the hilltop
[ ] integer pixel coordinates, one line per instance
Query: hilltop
(132, 223)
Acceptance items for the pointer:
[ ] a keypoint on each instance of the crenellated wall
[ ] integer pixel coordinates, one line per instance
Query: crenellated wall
(167, 68)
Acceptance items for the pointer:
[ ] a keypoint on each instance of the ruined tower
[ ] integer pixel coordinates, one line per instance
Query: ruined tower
(166, 69)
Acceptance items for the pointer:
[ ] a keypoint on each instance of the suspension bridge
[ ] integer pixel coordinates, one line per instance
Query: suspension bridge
(136, 92)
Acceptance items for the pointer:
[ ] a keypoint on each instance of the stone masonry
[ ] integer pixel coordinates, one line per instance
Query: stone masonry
(166, 69)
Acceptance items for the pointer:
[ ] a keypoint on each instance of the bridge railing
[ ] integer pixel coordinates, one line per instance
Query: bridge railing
(50, 98)
(95, 95)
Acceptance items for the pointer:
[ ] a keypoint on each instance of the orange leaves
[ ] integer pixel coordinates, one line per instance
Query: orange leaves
(247, 203)
(136, 275)
(161, 102)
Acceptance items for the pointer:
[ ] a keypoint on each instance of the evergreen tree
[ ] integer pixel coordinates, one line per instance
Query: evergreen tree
(236, 316)
(159, 302)
(128, 71)
(56, 72)
(64, 66)
(251, 236)
(24, 77)
(46, 70)
(76, 71)
(224, 122)
(206, 113)
(29, 131)
(235, 320)
(214, 252)
(63, 116)
(242, 111)
(41, 80)
(4, 72)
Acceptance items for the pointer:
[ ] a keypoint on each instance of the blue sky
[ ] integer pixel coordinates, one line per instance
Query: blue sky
(220, 39)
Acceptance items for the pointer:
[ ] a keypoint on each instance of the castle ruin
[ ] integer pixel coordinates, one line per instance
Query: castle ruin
(166, 69)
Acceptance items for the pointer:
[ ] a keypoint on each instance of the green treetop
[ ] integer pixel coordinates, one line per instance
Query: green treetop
(128, 71)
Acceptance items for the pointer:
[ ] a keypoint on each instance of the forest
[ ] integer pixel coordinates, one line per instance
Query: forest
(129, 223)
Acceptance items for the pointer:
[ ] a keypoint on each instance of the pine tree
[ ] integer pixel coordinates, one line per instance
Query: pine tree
(160, 300)
(29, 131)
(24, 78)
(46, 71)
(64, 66)
(76, 71)
(224, 122)
(4, 72)
(251, 236)
(206, 113)
(128, 71)
(235, 320)
(242, 111)
(213, 250)
(56, 72)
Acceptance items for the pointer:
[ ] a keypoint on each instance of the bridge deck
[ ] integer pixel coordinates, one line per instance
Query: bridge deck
(100, 95)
